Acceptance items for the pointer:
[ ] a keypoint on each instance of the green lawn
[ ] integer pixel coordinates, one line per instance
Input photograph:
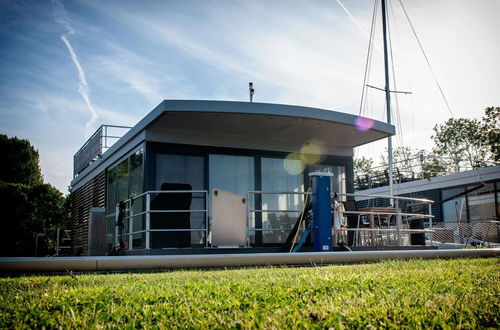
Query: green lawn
(462, 293)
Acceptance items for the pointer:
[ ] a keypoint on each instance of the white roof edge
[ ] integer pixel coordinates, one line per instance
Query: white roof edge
(478, 175)
(227, 107)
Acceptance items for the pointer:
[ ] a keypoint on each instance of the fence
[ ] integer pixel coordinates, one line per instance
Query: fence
(375, 226)
(133, 218)
(467, 233)
(103, 138)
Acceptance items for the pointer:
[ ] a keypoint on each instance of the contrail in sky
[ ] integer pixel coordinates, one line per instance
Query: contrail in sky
(367, 35)
(83, 88)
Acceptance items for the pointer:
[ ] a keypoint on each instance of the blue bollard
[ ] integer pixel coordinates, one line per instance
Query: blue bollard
(322, 211)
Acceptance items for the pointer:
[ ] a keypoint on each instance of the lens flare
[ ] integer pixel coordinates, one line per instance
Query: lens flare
(363, 124)
(293, 164)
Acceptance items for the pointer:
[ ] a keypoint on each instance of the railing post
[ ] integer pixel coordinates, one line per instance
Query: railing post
(430, 224)
(130, 224)
(117, 212)
(398, 221)
(248, 220)
(206, 218)
(148, 218)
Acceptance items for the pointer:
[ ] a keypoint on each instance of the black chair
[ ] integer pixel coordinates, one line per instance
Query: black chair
(352, 220)
(173, 220)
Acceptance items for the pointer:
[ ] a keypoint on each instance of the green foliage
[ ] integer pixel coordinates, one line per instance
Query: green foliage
(463, 139)
(20, 162)
(28, 205)
(28, 210)
(491, 127)
(449, 294)
(363, 166)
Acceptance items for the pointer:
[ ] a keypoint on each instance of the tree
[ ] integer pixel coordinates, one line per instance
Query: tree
(363, 166)
(491, 124)
(20, 163)
(462, 140)
(29, 206)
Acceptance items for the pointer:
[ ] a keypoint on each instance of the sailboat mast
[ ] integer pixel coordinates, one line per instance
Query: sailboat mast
(387, 95)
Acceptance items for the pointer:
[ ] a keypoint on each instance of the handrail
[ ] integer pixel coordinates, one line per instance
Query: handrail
(148, 211)
(422, 200)
(397, 213)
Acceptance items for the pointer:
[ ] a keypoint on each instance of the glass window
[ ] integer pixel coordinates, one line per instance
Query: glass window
(338, 182)
(122, 181)
(179, 169)
(276, 177)
(232, 173)
(111, 191)
(456, 208)
(136, 174)
(482, 203)
(110, 207)
(136, 187)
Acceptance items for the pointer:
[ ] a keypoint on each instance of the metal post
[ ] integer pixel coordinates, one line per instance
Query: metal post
(117, 212)
(430, 223)
(130, 224)
(148, 218)
(398, 221)
(248, 219)
(322, 211)
(207, 231)
(387, 98)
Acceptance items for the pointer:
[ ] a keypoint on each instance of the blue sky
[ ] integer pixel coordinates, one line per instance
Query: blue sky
(68, 66)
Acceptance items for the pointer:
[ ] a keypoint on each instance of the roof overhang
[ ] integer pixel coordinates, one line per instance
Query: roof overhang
(245, 125)
(263, 121)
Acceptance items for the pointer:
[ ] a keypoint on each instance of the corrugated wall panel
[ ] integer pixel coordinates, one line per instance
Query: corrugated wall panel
(92, 194)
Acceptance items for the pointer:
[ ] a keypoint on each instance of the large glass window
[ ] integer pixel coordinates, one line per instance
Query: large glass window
(180, 169)
(338, 182)
(232, 173)
(482, 203)
(276, 178)
(179, 172)
(136, 182)
(456, 208)
(110, 207)
(123, 182)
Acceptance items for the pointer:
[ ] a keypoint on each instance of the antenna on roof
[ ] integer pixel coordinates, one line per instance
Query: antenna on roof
(250, 88)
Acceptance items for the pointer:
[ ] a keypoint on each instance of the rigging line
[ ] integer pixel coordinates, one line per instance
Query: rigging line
(368, 55)
(397, 114)
(405, 66)
(426, 59)
(365, 105)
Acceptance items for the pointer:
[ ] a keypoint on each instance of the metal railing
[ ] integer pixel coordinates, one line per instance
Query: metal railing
(251, 211)
(130, 216)
(103, 138)
(467, 233)
(396, 234)
(400, 229)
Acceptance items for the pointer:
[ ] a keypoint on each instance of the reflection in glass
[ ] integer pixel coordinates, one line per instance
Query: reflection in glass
(232, 173)
(276, 178)
(482, 203)
(338, 182)
(181, 169)
(455, 209)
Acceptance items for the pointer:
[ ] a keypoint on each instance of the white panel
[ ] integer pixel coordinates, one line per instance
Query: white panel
(229, 219)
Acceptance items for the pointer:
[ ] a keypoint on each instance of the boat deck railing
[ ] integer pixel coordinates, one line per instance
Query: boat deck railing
(271, 216)
(137, 213)
(389, 226)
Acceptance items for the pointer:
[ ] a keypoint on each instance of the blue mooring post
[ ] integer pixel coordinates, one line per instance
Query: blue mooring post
(322, 211)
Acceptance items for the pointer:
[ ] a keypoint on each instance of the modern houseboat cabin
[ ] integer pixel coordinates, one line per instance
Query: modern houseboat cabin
(153, 190)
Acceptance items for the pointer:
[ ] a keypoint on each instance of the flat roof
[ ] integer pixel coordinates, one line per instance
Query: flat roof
(284, 123)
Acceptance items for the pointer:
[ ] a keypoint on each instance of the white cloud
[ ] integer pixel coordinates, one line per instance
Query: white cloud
(83, 87)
